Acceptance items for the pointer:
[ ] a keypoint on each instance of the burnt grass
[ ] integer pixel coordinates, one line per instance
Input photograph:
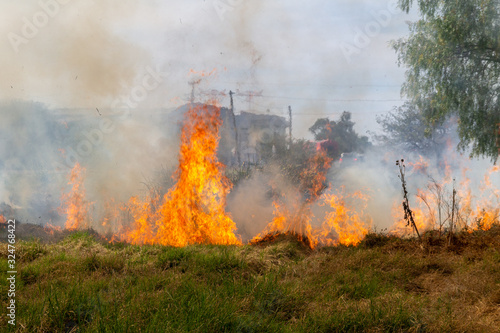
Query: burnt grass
(78, 282)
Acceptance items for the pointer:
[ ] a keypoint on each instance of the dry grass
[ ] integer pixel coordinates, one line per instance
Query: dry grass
(80, 283)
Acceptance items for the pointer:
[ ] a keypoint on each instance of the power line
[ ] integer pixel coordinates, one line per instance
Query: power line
(352, 100)
(334, 100)
(249, 95)
(312, 84)
(351, 112)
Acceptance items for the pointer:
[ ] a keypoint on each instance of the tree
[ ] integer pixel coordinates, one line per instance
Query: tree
(453, 60)
(340, 135)
(406, 129)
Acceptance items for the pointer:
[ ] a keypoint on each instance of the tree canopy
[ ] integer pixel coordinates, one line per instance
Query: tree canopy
(406, 129)
(453, 60)
(340, 134)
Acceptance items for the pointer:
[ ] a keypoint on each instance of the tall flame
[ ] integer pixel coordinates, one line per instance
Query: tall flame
(74, 204)
(193, 211)
(342, 225)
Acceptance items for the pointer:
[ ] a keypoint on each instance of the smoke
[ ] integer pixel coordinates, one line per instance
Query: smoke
(430, 181)
(78, 55)
(40, 146)
(76, 47)
(91, 65)
(141, 152)
(26, 176)
(250, 205)
(377, 175)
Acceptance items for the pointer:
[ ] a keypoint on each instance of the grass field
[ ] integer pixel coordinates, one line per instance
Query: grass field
(80, 283)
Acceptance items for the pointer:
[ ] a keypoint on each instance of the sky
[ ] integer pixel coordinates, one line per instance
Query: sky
(320, 58)
(106, 72)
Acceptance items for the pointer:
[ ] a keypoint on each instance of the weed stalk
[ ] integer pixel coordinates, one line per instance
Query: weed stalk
(406, 204)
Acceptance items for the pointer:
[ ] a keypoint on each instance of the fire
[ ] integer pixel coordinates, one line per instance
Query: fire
(342, 225)
(487, 211)
(421, 165)
(2, 219)
(444, 200)
(293, 216)
(74, 204)
(142, 214)
(422, 220)
(51, 229)
(292, 219)
(479, 211)
(350, 226)
(193, 211)
(111, 220)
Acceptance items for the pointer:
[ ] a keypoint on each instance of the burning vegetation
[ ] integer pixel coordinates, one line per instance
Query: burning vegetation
(74, 206)
(193, 211)
(313, 211)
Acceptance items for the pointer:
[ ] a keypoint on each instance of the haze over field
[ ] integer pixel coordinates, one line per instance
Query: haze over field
(322, 59)
(97, 82)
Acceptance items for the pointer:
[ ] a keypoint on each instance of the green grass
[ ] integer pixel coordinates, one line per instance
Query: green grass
(387, 284)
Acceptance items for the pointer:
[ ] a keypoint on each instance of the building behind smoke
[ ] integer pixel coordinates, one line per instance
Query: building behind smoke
(253, 130)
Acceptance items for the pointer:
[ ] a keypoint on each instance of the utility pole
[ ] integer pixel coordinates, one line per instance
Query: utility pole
(237, 146)
(193, 83)
(290, 123)
(498, 138)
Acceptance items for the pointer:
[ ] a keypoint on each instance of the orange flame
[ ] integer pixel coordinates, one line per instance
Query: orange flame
(74, 204)
(487, 211)
(434, 205)
(294, 220)
(343, 225)
(400, 227)
(421, 165)
(51, 229)
(349, 225)
(111, 220)
(193, 211)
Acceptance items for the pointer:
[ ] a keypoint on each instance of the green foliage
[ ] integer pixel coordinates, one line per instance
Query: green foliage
(388, 286)
(173, 257)
(236, 174)
(85, 238)
(104, 263)
(292, 158)
(31, 251)
(453, 60)
(407, 129)
(341, 134)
